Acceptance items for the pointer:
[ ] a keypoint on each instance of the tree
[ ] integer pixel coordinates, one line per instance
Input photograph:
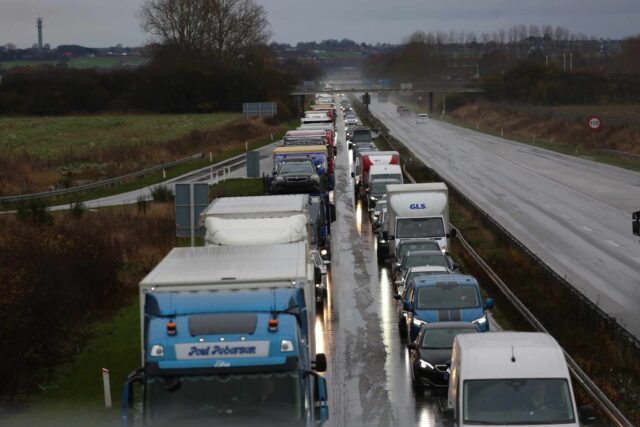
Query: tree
(628, 59)
(222, 29)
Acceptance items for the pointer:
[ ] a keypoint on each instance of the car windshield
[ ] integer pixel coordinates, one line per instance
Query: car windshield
(301, 167)
(517, 401)
(447, 297)
(362, 136)
(429, 245)
(423, 259)
(420, 227)
(231, 399)
(443, 337)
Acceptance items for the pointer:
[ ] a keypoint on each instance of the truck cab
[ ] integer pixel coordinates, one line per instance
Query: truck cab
(379, 178)
(230, 358)
(511, 378)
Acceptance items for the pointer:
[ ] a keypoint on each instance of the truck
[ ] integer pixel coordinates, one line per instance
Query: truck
(379, 178)
(317, 154)
(227, 336)
(511, 378)
(270, 220)
(367, 159)
(418, 211)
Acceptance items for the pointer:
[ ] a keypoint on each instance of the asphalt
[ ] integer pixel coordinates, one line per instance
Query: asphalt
(575, 214)
(368, 366)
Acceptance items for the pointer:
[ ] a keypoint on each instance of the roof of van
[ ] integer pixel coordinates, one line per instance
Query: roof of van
(489, 355)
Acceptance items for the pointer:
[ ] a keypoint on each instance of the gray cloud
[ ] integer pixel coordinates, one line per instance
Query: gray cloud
(106, 23)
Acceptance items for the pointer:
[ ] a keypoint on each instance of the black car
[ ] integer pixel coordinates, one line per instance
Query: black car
(430, 353)
(296, 177)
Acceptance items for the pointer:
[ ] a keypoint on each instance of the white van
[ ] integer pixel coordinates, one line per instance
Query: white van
(511, 378)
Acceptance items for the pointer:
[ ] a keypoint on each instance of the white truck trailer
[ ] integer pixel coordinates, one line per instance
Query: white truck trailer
(232, 269)
(418, 211)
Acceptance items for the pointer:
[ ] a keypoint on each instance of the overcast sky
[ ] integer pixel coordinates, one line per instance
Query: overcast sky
(99, 23)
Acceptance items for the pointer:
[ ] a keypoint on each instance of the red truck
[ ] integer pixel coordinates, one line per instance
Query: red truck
(364, 162)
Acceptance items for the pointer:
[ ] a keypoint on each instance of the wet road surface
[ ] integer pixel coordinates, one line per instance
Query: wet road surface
(368, 364)
(573, 213)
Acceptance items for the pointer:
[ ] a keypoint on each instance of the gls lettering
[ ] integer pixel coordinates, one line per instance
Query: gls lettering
(418, 206)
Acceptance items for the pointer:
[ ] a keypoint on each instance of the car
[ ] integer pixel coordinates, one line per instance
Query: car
(422, 270)
(422, 118)
(295, 177)
(349, 131)
(418, 258)
(440, 298)
(414, 245)
(351, 121)
(430, 353)
(382, 250)
(375, 214)
(320, 270)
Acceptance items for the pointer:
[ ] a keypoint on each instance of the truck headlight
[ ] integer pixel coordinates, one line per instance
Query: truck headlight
(324, 252)
(444, 249)
(425, 365)
(315, 178)
(286, 346)
(481, 321)
(373, 199)
(157, 350)
(417, 322)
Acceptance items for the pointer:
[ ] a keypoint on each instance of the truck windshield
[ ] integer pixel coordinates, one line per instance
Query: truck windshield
(397, 177)
(380, 187)
(447, 297)
(517, 401)
(298, 167)
(420, 227)
(225, 399)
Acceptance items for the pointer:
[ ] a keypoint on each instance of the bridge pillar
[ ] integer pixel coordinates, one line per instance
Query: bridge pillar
(431, 103)
(299, 104)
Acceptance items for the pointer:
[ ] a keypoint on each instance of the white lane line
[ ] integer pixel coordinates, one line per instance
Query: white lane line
(567, 217)
(612, 243)
(586, 228)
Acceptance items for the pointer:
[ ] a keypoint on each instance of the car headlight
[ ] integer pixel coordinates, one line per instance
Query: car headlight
(315, 178)
(373, 199)
(418, 322)
(383, 241)
(425, 365)
(481, 321)
(279, 179)
(444, 249)
(157, 350)
(323, 252)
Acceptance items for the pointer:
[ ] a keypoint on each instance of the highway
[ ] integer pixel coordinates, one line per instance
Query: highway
(368, 366)
(207, 174)
(573, 213)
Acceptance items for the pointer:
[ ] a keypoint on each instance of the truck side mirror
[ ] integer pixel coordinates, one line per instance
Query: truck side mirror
(353, 175)
(321, 362)
(587, 414)
(453, 233)
(317, 275)
(488, 304)
(406, 306)
(455, 266)
(449, 415)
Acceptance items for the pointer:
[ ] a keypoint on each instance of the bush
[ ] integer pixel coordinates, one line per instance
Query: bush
(162, 193)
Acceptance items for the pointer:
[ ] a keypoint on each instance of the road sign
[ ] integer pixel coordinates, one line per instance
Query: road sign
(594, 123)
(191, 199)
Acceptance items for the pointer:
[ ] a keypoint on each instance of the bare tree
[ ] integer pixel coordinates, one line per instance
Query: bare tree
(534, 31)
(222, 28)
(502, 36)
(547, 32)
(486, 38)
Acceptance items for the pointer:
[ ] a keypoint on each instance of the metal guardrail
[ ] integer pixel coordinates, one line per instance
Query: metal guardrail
(589, 386)
(103, 183)
(619, 153)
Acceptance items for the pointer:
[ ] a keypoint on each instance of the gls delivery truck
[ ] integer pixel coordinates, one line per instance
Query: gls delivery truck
(418, 211)
(228, 338)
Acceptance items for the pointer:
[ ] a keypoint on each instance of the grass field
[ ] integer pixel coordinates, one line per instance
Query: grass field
(50, 137)
(84, 63)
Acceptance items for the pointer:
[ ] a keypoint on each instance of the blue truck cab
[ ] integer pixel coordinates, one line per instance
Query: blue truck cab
(226, 358)
(444, 298)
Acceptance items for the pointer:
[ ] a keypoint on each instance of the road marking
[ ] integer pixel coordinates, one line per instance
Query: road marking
(612, 243)
(567, 217)
(586, 228)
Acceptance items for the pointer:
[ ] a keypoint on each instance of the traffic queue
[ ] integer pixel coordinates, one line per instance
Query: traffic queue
(491, 378)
